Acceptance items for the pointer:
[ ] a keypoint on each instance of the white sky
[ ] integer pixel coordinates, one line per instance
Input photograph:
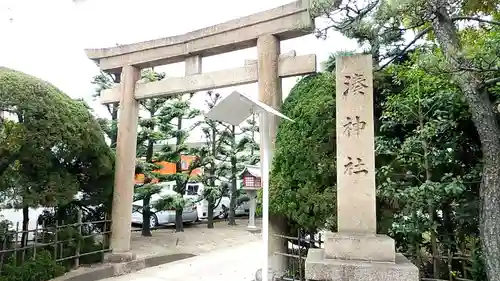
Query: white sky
(47, 38)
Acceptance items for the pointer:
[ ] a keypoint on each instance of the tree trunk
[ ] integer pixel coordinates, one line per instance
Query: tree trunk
(434, 247)
(486, 125)
(449, 235)
(146, 202)
(146, 216)
(210, 214)
(179, 226)
(232, 203)
(211, 173)
(428, 177)
(26, 219)
(114, 129)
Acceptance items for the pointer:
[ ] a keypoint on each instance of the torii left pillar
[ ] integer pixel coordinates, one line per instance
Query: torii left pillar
(123, 192)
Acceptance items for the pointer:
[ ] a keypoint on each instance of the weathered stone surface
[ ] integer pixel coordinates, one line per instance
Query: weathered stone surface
(258, 275)
(237, 263)
(128, 267)
(271, 275)
(123, 192)
(120, 264)
(320, 269)
(355, 145)
(287, 21)
(355, 246)
(119, 257)
(356, 253)
(288, 66)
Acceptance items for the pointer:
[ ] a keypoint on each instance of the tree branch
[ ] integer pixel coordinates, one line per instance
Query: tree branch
(492, 81)
(474, 19)
(405, 49)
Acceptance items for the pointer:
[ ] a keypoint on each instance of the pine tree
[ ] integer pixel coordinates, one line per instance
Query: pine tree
(171, 117)
(252, 148)
(147, 137)
(213, 162)
(105, 81)
(241, 149)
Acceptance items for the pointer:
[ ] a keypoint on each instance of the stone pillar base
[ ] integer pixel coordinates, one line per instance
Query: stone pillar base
(119, 257)
(360, 246)
(271, 276)
(254, 229)
(319, 268)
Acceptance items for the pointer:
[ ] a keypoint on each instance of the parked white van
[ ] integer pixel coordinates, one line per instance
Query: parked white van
(194, 192)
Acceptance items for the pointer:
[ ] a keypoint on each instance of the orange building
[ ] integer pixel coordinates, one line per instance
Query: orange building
(169, 168)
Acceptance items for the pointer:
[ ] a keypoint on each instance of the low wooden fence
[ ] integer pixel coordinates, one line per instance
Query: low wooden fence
(69, 244)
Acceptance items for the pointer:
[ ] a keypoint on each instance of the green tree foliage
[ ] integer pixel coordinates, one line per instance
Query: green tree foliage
(53, 146)
(102, 82)
(251, 153)
(428, 157)
(214, 168)
(41, 268)
(170, 202)
(240, 144)
(384, 26)
(172, 117)
(303, 175)
(147, 138)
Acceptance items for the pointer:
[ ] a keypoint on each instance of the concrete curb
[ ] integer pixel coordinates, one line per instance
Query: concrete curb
(117, 269)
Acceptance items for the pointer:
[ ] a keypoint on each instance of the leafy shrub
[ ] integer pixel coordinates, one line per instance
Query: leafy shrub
(40, 268)
(303, 176)
(258, 210)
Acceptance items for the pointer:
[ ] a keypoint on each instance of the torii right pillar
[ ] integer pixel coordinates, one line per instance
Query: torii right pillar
(270, 93)
(356, 252)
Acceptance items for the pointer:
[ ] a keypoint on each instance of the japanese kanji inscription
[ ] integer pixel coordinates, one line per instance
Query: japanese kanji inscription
(355, 125)
(355, 84)
(355, 144)
(356, 167)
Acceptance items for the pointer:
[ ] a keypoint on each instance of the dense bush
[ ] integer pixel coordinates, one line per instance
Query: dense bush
(40, 264)
(303, 176)
(39, 268)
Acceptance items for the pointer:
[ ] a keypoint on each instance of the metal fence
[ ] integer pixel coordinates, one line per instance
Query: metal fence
(297, 254)
(68, 244)
(454, 267)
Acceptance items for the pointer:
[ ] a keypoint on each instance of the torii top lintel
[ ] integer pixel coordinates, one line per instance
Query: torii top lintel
(288, 21)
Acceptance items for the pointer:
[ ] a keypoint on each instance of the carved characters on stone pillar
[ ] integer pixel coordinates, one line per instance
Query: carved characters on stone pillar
(355, 166)
(355, 126)
(355, 84)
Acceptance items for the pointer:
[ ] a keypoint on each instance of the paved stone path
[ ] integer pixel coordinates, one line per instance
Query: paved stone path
(196, 239)
(236, 263)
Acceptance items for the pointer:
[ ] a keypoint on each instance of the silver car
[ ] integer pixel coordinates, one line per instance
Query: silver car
(189, 214)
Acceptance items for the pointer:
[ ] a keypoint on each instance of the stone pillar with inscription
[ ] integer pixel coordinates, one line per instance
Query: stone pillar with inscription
(356, 252)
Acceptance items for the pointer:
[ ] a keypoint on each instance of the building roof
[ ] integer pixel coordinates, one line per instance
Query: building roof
(252, 170)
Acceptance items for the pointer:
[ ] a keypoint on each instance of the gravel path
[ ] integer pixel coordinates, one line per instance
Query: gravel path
(196, 239)
(236, 263)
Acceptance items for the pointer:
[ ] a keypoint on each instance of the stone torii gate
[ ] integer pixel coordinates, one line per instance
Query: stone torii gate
(264, 30)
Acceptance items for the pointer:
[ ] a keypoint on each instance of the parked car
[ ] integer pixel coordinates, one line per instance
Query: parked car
(167, 217)
(197, 209)
(194, 191)
(243, 209)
